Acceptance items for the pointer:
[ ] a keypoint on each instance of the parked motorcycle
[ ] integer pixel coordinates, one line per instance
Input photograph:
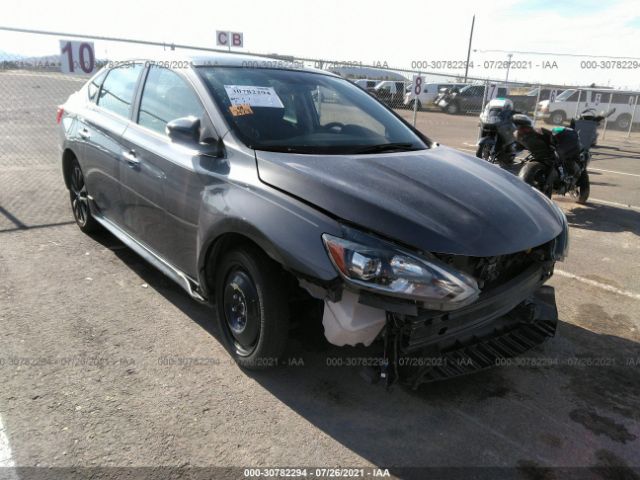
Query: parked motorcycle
(497, 142)
(557, 162)
(587, 126)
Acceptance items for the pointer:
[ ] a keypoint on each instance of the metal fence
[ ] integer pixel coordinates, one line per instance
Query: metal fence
(32, 85)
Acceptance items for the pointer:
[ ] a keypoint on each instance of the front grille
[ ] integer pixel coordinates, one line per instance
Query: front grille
(491, 272)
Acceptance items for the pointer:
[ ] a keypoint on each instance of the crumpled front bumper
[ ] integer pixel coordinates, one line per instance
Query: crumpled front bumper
(516, 300)
(485, 345)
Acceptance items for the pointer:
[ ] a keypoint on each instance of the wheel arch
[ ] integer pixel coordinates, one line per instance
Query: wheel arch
(234, 233)
(68, 156)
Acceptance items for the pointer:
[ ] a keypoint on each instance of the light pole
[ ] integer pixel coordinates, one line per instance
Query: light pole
(466, 67)
(509, 55)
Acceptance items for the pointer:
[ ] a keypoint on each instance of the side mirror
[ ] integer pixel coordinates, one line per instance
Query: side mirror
(184, 130)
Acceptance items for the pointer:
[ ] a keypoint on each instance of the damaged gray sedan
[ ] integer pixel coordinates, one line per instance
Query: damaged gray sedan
(259, 186)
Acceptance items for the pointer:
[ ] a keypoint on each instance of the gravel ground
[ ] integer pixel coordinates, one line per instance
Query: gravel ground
(106, 363)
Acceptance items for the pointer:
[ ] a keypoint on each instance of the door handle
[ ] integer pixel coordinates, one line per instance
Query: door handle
(84, 133)
(131, 157)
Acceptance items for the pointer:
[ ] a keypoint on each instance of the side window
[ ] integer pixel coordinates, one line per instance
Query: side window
(474, 91)
(623, 98)
(165, 97)
(119, 88)
(94, 86)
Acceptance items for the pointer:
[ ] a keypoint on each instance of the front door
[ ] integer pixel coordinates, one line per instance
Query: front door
(161, 190)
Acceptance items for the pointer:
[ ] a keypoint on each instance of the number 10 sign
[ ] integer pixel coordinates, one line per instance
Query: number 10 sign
(77, 57)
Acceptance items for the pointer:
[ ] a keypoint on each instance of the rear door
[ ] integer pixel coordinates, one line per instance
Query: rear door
(161, 189)
(103, 125)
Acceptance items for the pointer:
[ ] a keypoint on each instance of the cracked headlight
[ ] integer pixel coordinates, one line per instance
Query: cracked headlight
(383, 268)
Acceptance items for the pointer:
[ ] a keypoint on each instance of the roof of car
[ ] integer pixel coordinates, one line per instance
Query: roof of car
(223, 59)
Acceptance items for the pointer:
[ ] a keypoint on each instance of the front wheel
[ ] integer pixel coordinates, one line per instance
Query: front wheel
(484, 152)
(452, 109)
(583, 188)
(252, 308)
(535, 174)
(558, 117)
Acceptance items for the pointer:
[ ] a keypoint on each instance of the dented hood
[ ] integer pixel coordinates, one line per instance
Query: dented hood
(437, 200)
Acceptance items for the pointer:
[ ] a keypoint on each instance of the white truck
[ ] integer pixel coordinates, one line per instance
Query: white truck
(571, 102)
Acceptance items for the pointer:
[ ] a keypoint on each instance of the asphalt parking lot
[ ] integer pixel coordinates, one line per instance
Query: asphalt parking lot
(106, 363)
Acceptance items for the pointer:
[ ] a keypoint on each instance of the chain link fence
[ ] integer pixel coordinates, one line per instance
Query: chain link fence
(32, 86)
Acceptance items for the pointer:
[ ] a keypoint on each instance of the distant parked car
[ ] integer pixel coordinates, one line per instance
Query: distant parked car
(430, 92)
(572, 101)
(469, 99)
(391, 92)
(366, 83)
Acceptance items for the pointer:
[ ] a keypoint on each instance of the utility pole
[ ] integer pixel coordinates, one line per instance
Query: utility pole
(509, 55)
(466, 68)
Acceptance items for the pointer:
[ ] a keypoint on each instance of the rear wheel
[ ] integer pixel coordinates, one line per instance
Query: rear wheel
(80, 199)
(505, 159)
(581, 193)
(535, 174)
(623, 121)
(252, 308)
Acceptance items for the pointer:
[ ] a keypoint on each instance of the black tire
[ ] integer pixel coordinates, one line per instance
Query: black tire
(452, 108)
(79, 197)
(535, 174)
(252, 309)
(558, 117)
(622, 122)
(583, 188)
(484, 152)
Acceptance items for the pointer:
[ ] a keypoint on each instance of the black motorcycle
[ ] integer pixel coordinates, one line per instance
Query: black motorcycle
(557, 162)
(497, 143)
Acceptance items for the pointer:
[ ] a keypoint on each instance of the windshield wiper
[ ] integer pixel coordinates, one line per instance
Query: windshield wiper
(282, 148)
(387, 147)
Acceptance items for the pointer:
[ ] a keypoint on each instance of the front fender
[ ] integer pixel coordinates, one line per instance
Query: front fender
(289, 231)
(487, 141)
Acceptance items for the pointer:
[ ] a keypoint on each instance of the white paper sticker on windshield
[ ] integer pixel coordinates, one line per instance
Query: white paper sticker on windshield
(253, 96)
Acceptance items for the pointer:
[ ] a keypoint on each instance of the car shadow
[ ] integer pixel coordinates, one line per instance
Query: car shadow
(604, 218)
(571, 401)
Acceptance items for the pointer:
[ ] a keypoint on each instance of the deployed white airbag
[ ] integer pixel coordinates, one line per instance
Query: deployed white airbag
(348, 322)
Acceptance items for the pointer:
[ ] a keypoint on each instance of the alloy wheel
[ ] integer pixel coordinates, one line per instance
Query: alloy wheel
(79, 196)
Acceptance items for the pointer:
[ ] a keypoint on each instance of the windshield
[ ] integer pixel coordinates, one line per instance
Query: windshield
(305, 112)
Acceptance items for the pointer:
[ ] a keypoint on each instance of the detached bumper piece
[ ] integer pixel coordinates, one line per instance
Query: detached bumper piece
(481, 345)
